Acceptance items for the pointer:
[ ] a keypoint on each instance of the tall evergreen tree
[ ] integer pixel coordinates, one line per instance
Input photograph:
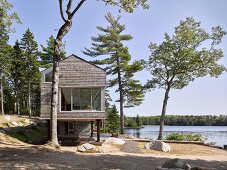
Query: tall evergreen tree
(48, 52)
(117, 63)
(138, 121)
(32, 74)
(112, 119)
(17, 74)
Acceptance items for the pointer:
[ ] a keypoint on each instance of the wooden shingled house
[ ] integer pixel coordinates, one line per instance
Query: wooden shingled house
(81, 97)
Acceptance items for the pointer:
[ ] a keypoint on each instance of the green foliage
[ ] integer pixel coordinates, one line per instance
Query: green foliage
(112, 121)
(7, 15)
(128, 5)
(185, 137)
(116, 60)
(110, 44)
(182, 58)
(187, 120)
(48, 52)
(31, 74)
(133, 122)
(138, 121)
(31, 135)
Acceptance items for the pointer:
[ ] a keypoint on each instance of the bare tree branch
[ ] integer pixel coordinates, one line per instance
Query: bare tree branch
(77, 8)
(61, 10)
(69, 5)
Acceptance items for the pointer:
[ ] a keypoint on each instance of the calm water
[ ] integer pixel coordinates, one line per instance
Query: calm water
(216, 134)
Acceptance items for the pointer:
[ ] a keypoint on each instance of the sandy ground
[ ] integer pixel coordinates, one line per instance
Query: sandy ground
(15, 154)
(24, 156)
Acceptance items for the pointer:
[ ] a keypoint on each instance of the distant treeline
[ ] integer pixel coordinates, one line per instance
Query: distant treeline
(187, 120)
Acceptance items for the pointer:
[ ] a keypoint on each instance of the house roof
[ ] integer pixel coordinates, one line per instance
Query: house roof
(47, 69)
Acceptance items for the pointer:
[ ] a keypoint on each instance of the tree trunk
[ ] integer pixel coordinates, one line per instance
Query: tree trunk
(162, 118)
(2, 95)
(56, 58)
(17, 103)
(121, 98)
(55, 82)
(29, 99)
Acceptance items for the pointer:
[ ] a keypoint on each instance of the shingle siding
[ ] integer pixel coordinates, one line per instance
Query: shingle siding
(74, 72)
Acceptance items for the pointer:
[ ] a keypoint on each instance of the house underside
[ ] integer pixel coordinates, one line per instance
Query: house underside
(82, 130)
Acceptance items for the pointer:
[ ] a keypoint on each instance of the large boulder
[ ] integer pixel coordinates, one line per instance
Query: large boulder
(158, 145)
(174, 164)
(27, 121)
(87, 147)
(113, 141)
(14, 123)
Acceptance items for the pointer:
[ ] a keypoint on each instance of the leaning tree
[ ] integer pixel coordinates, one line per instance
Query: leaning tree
(67, 12)
(189, 54)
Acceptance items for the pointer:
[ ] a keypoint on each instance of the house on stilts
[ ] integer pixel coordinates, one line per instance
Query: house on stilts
(81, 98)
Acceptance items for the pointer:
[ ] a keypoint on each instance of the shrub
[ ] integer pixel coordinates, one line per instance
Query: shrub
(185, 137)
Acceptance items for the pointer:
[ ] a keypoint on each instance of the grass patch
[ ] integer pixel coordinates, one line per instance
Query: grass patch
(32, 134)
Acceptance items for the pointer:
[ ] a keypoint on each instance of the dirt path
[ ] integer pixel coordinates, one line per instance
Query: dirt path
(42, 157)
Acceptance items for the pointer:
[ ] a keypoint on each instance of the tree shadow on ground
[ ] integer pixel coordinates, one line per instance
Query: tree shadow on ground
(40, 157)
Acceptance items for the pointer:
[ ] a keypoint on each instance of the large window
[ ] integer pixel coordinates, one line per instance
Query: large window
(80, 99)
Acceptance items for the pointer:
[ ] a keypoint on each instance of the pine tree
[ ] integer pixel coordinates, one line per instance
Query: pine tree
(138, 121)
(117, 63)
(112, 119)
(17, 74)
(32, 74)
(48, 52)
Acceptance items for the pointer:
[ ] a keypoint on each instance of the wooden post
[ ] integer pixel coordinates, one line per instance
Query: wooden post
(98, 130)
(48, 129)
(92, 129)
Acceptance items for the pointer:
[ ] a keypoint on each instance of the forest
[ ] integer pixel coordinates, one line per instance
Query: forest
(20, 73)
(178, 120)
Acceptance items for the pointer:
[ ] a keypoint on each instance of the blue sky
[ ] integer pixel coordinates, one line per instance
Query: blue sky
(203, 96)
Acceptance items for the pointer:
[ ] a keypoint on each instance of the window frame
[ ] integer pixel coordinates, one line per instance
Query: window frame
(47, 71)
(102, 99)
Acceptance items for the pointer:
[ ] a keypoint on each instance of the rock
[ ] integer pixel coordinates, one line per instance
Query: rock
(7, 117)
(15, 123)
(27, 121)
(176, 163)
(158, 145)
(87, 147)
(114, 141)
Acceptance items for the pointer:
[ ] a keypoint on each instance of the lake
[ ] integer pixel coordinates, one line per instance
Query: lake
(216, 134)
